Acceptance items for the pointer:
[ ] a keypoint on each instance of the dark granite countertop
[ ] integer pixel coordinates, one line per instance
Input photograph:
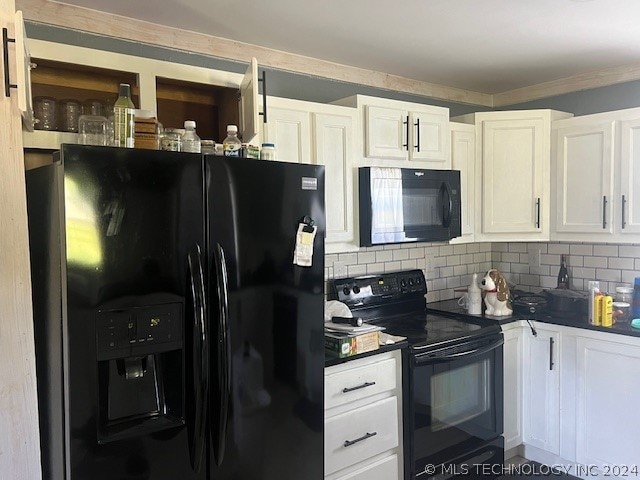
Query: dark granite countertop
(330, 361)
(451, 306)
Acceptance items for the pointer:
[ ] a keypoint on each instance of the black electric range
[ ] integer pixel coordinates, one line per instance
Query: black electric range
(452, 374)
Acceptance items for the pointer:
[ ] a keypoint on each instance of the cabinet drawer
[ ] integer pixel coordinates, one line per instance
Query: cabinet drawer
(359, 434)
(385, 469)
(359, 382)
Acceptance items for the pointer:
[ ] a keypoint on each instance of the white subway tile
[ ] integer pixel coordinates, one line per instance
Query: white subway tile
(629, 251)
(422, 263)
(577, 284)
(630, 276)
(440, 284)
(583, 272)
(467, 259)
(575, 261)
(511, 257)
(460, 270)
(431, 252)
(486, 247)
(518, 247)
(400, 255)
(459, 249)
(597, 262)
(348, 258)
(453, 260)
(409, 264)
(541, 270)
(605, 250)
(416, 253)
(446, 272)
(392, 266)
(530, 280)
(453, 282)
(550, 259)
(447, 295)
(375, 268)
(366, 257)
(432, 273)
(499, 247)
(624, 263)
(524, 258)
(355, 270)
(548, 282)
(558, 248)
(535, 247)
(519, 268)
(473, 248)
(329, 259)
(503, 267)
(433, 297)
(482, 257)
(608, 274)
(580, 249)
(384, 256)
(446, 250)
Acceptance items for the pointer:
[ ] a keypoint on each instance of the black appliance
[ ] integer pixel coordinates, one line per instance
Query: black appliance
(174, 336)
(453, 412)
(399, 205)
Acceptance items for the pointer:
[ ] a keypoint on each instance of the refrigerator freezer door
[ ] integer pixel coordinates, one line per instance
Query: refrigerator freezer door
(126, 222)
(271, 342)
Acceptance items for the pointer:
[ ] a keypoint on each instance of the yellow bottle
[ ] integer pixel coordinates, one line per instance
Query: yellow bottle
(607, 311)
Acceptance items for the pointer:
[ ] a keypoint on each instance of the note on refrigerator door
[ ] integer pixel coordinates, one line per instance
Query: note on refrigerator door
(303, 253)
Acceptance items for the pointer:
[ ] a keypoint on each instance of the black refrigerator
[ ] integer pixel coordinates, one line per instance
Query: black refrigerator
(175, 336)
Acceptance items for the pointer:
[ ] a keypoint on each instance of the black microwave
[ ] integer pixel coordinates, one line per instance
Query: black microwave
(400, 205)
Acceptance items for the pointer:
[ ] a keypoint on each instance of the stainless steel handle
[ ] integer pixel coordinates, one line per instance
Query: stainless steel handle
(406, 124)
(551, 343)
(624, 205)
(5, 55)
(364, 385)
(417, 125)
(263, 80)
(538, 212)
(348, 443)
(604, 212)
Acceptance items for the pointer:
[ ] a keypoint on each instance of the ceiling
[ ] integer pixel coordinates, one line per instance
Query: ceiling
(487, 46)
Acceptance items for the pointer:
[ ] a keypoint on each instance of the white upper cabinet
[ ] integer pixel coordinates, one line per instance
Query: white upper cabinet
(23, 72)
(403, 134)
(173, 92)
(512, 174)
(308, 132)
(584, 163)
(463, 158)
(596, 161)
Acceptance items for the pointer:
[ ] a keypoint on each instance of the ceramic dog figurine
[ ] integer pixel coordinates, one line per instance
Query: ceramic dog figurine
(496, 294)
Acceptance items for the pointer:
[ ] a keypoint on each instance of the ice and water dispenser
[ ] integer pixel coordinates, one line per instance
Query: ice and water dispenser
(140, 370)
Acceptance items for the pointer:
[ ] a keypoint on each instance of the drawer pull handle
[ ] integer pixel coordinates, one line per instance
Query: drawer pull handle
(364, 385)
(348, 443)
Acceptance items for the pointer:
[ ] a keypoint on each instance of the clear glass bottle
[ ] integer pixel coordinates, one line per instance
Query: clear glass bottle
(123, 121)
(231, 145)
(563, 274)
(190, 139)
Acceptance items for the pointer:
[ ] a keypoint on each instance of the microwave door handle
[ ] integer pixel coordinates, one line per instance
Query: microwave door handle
(447, 204)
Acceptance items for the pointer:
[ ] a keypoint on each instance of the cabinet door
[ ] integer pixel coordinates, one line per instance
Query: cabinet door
(541, 427)
(629, 219)
(608, 395)
(290, 130)
(430, 139)
(584, 174)
(333, 148)
(386, 132)
(513, 350)
(249, 101)
(23, 72)
(463, 158)
(513, 175)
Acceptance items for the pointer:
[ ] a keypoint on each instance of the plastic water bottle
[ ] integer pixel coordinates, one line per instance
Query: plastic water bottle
(231, 145)
(190, 139)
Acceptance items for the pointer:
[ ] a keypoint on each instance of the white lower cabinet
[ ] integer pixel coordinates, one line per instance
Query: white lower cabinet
(541, 392)
(363, 419)
(513, 351)
(608, 401)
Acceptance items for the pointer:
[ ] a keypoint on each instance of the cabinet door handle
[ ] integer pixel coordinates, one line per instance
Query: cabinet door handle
(538, 212)
(263, 80)
(406, 131)
(364, 385)
(5, 55)
(604, 212)
(624, 205)
(417, 125)
(551, 343)
(348, 443)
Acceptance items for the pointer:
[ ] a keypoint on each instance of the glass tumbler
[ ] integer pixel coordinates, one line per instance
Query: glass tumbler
(93, 130)
(69, 114)
(44, 109)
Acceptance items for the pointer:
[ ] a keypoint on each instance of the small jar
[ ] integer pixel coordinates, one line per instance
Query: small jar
(93, 107)
(45, 112)
(208, 146)
(171, 139)
(621, 311)
(268, 151)
(69, 115)
(624, 294)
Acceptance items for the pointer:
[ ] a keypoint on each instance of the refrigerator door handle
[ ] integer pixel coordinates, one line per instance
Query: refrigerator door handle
(224, 348)
(200, 357)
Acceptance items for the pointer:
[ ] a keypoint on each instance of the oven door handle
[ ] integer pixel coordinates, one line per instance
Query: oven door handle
(421, 359)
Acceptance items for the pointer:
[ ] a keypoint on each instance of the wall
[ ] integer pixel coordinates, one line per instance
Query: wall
(445, 266)
(611, 264)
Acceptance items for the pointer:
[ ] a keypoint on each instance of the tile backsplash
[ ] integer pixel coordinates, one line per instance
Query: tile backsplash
(445, 266)
(530, 266)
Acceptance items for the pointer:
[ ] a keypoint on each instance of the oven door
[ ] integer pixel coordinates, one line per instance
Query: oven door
(457, 406)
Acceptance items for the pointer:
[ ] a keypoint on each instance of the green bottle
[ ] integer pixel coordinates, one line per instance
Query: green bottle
(123, 121)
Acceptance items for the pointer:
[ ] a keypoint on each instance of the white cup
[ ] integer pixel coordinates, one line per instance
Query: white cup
(463, 301)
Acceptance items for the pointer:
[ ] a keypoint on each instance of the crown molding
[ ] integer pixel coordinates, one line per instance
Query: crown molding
(101, 23)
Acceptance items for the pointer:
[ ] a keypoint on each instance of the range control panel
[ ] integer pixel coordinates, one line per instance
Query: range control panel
(356, 291)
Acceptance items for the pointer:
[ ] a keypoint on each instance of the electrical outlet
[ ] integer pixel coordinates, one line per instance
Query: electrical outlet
(339, 269)
(534, 257)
